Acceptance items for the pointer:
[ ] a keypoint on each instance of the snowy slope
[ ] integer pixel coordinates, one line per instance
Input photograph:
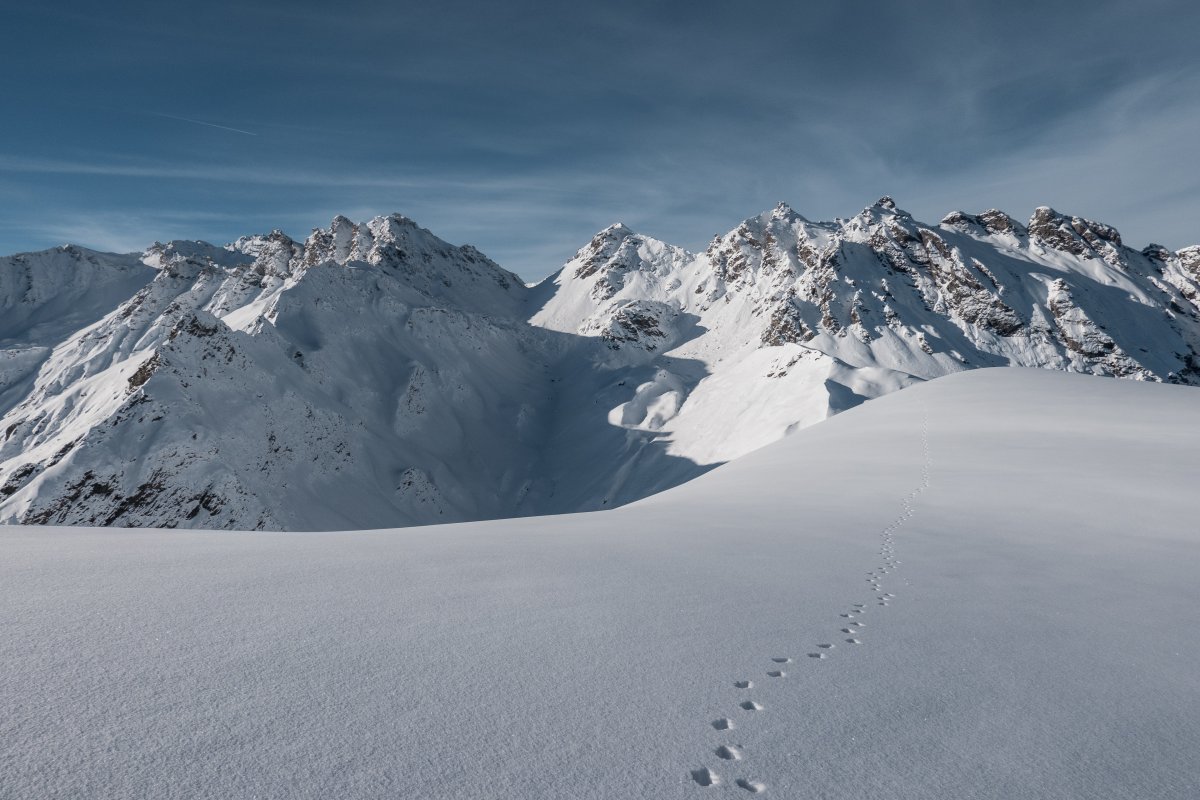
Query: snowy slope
(47, 296)
(794, 320)
(1032, 534)
(272, 384)
(375, 375)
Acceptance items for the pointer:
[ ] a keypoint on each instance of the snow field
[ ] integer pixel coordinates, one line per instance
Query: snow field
(1031, 533)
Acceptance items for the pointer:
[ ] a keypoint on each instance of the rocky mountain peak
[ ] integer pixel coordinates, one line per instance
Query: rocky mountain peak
(785, 213)
(376, 375)
(1075, 235)
(604, 247)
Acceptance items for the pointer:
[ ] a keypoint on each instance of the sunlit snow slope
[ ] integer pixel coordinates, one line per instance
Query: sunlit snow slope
(1032, 533)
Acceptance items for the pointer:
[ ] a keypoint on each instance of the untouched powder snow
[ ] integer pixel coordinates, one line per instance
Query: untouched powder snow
(982, 586)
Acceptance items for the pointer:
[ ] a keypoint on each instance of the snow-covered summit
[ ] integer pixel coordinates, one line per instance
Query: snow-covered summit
(795, 319)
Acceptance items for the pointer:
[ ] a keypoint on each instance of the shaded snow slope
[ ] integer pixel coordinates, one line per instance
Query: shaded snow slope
(374, 375)
(1032, 534)
(45, 297)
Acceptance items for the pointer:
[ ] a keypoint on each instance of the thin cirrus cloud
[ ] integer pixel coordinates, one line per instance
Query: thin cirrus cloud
(201, 122)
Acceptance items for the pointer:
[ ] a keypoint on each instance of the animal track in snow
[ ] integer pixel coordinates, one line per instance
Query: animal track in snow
(754, 787)
(875, 578)
(729, 752)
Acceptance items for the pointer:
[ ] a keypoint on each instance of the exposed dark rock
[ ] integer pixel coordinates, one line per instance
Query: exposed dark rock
(786, 325)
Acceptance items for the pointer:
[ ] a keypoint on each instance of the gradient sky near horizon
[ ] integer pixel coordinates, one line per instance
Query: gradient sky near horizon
(523, 127)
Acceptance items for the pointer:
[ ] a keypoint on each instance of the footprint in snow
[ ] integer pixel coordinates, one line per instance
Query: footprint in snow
(750, 705)
(723, 724)
(825, 646)
(816, 655)
(754, 787)
(781, 660)
(705, 777)
(743, 684)
(729, 752)
(776, 673)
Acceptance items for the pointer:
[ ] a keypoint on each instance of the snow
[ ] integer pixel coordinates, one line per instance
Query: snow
(375, 376)
(1032, 533)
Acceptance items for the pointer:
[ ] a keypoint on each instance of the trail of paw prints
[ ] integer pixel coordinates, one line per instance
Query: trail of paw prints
(850, 632)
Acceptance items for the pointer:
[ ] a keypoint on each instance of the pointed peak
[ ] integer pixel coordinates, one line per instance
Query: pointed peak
(1044, 214)
(608, 239)
(400, 219)
(883, 207)
(617, 229)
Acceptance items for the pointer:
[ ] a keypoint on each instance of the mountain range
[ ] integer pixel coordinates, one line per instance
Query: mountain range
(376, 376)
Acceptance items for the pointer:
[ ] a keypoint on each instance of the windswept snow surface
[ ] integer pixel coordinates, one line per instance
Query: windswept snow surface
(1033, 535)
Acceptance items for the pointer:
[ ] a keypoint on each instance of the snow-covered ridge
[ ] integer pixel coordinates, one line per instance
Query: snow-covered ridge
(375, 375)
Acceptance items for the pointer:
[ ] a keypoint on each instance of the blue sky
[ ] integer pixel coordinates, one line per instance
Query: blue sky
(524, 127)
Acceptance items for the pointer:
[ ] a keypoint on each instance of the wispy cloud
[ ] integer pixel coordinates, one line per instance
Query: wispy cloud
(201, 122)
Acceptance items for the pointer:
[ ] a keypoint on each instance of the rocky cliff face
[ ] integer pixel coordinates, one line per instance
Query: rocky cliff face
(375, 375)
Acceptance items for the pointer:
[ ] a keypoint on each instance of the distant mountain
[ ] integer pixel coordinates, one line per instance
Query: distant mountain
(376, 376)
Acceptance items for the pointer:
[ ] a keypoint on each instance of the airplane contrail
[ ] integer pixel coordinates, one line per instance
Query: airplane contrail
(201, 122)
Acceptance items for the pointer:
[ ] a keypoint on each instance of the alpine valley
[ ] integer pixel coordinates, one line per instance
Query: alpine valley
(376, 376)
